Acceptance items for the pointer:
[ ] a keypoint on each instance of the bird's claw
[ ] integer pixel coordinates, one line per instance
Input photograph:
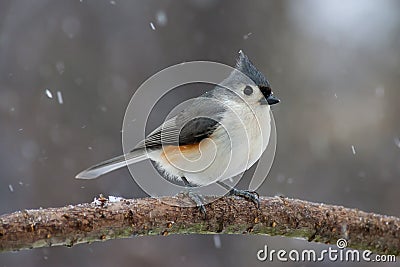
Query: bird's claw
(248, 195)
(199, 201)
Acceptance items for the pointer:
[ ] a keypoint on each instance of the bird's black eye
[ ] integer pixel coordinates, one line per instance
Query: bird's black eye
(266, 91)
(248, 90)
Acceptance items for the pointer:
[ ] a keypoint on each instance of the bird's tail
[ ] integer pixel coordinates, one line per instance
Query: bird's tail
(112, 164)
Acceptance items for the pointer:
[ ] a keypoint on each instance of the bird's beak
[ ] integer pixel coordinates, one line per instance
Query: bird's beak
(270, 100)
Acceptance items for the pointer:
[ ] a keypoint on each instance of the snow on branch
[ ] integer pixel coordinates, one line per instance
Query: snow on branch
(113, 218)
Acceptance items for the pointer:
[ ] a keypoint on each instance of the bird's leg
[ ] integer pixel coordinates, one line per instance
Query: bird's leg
(246, 194)
(196, 198)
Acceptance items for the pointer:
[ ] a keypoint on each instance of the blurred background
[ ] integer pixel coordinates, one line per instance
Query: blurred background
(69, 68)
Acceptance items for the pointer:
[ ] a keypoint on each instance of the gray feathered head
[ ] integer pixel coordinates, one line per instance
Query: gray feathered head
(244, 74)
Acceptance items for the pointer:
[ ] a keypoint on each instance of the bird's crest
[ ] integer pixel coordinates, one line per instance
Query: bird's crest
(244, 65)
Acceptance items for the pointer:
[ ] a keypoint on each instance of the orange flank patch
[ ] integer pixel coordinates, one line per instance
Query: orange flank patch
(175, 154)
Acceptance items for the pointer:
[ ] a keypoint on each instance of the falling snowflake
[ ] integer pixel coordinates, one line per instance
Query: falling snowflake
(217, 241)
(49, 94)
(59, 97)
(246, 36)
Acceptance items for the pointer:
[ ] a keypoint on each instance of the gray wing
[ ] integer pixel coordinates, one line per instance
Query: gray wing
(189, 126)
(193, 124)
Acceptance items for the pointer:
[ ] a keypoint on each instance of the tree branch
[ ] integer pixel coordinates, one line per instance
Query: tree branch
(121, 218)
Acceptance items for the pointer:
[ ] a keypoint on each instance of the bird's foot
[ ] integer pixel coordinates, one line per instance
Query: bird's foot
(248, 195)
(195, 197)
(199, 201)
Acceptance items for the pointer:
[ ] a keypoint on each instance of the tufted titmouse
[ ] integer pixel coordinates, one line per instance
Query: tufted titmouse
(220, 135)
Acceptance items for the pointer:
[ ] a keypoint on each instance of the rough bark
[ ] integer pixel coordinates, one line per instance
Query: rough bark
(103, 219)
